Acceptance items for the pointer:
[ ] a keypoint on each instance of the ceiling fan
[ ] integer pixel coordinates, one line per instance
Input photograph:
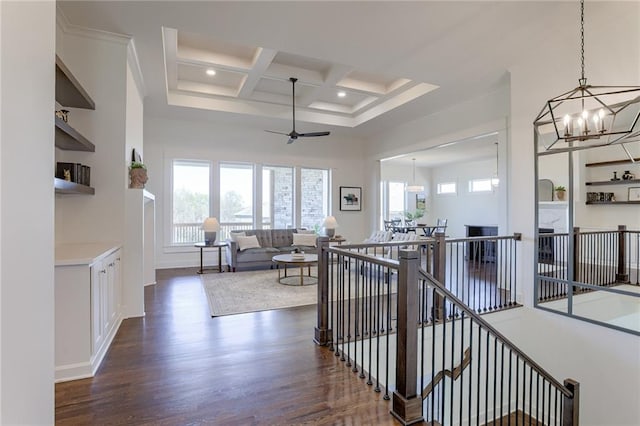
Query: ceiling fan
(293, 135)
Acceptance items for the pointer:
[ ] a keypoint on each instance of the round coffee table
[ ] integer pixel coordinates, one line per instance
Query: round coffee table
(309, 260)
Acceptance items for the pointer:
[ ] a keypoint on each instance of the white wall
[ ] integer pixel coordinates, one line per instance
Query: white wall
(27, 34)
(464, 207)
(167, 139)
(605, 362)
(100, 66)
(484, 114)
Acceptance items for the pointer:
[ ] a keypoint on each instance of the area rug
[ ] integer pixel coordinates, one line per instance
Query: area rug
(240, 292)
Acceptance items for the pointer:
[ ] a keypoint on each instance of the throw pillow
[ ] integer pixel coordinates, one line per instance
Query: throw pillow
(234, 236)
(304, 239)
(248, 242)
(305, 231)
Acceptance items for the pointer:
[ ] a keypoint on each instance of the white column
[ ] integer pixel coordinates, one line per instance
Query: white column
(27, 58)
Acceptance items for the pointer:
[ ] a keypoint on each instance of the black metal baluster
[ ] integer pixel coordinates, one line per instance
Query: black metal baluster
(518, 387)
(478, 378)
(530, 393)
(509, 388)
(378, 313)
(371, 323)
(363, 316)
(486, 381)
(433, 355)
(452, 368)
(495, 377)
(348, 295)
(389, 310)
(356, 322)
(462, 345)
(537, 397)
(444, 339)
(502, 379)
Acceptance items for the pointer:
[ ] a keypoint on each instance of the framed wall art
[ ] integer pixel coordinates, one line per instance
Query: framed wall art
(350, 198)
(634, 193)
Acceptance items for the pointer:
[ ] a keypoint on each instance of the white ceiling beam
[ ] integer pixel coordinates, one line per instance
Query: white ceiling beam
(170, 44)
(335, 74)
(262, 60)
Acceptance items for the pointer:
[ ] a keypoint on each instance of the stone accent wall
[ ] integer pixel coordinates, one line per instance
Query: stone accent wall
(282, 212)
(313, 187)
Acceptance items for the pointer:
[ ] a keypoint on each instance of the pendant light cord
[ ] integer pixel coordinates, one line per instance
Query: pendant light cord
(583, 81)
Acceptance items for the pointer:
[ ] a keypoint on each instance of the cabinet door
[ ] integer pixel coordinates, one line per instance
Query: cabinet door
(97, 277)
(113, 284)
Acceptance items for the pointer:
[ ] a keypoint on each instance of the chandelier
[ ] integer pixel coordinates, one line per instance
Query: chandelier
(588, 115)
(414, 186)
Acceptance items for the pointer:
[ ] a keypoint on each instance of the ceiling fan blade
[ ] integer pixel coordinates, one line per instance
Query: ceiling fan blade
(277, 133)
(311, 134)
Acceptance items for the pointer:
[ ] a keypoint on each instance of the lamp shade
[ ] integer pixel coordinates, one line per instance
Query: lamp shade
(211, 224)
(330, 222)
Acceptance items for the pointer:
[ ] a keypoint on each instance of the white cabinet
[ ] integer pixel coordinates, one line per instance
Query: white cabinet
(88, 288)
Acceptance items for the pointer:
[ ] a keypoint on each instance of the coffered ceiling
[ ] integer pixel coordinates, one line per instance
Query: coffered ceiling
(395, 61)
(245, 79)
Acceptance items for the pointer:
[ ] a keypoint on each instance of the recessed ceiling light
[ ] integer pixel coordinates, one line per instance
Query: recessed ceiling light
(342, 94)
(211, 72)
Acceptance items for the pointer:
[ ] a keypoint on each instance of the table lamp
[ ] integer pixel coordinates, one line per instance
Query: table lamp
(330, 224)
(210, 227)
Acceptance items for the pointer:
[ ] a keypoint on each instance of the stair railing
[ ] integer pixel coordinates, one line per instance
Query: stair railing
(380, 316)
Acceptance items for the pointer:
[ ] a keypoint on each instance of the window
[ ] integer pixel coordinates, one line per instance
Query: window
(277, 197)
(396, 200)
(236, 198)
(480, 185)
(190, 200)
(314, 197)
(446, 188)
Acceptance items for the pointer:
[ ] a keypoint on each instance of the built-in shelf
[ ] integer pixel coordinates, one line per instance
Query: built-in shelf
(592, 203)
(614, 182)
(65, 187)
(69, 92)
(69, 138)
(612, 163)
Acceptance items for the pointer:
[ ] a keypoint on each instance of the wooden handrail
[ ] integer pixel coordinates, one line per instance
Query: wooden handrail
(493, 331)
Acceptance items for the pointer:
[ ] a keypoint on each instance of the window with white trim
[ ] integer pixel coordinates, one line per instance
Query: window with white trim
(480, 185)
(190, 200)
(446, 188)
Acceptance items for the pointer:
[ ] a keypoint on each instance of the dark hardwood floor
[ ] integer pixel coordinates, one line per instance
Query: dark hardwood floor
(179, 366)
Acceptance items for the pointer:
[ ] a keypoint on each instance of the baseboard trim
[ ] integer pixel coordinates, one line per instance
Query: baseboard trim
(84, 370)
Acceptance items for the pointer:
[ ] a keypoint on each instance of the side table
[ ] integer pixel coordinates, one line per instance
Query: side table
(203, 246)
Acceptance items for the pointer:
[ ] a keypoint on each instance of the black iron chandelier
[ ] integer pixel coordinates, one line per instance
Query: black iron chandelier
(589, 115)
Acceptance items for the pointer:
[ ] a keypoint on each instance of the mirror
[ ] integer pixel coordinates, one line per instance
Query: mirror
(545, 190)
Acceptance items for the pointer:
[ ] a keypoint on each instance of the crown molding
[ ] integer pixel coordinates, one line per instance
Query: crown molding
(72, 29)
(132, 54)
(134, 64)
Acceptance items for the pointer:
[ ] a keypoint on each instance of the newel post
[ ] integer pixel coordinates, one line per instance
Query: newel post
(439, 273)
(407, 403)
(571, 406)
(322, 332)
(622, 276)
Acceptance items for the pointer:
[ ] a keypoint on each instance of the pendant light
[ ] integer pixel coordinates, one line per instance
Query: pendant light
(588, 115)
(414, 186)
(495, 180)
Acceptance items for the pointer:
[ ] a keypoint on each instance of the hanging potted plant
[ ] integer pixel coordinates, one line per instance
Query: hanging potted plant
(560, 192)
(137, 175)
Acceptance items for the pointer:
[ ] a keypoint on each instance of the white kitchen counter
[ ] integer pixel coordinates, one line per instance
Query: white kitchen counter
(83, 253)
